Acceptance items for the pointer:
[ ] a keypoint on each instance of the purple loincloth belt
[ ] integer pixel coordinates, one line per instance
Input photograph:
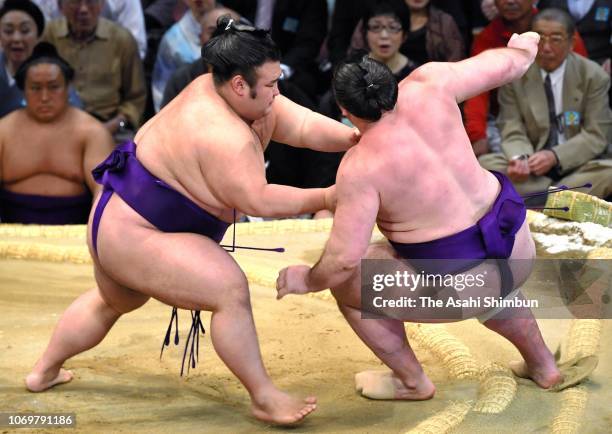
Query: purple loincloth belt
(44, 210)
(157, 202)
(492, 237)
(160, 205)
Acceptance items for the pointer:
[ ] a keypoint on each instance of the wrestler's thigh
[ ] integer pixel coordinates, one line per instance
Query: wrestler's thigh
(185, 270)
(117, 296)
(523, 255)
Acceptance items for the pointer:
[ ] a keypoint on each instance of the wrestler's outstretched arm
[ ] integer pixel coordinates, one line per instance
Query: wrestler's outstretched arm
(300, 127)
(356, 210)
(488, 70)
(237, 180)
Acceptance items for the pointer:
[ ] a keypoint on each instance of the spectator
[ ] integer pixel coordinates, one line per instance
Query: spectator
(159, 13)
(127, 13)
(110, 77)
(432, 35)
(21, 24)
(594, 24)
(347, 13)
(555, 121)
(299, 28)
(386, 28)
(187, 73)
(48, 149)
(515, 17)
(179, 46)
(489, 9)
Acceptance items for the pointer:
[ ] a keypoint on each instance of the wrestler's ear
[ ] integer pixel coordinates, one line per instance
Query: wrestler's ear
(239, 85)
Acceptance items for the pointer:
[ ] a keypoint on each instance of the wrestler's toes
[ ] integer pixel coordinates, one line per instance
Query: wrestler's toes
(310, 400)
(278, 408)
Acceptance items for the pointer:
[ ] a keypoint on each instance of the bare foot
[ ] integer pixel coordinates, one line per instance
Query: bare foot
(36, 382)
(543, 377)
(279, 408)
(386, 385)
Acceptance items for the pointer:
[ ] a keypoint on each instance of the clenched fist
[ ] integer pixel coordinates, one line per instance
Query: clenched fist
(527, 41)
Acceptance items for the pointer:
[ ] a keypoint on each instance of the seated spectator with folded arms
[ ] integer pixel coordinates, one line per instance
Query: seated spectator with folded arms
(555, 121)
(49, 148)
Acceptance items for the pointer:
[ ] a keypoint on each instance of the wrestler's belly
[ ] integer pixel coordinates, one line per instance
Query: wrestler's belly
(46, 185)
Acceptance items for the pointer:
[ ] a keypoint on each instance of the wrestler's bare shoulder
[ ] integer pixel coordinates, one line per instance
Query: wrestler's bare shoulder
(10, 120)
(83, 122)
(426, 81)
(360, 164)
(199, 116)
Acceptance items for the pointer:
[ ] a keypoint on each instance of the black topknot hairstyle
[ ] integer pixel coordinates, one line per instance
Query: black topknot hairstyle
(43, 52)
(365, 87)
(238, 49)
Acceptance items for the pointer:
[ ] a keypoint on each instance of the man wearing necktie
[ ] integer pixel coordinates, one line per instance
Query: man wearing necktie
(555, 121)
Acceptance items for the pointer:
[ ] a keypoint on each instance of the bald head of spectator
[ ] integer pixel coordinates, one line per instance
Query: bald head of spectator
(82, 16)
(515, 10)
(556, 29)
(208, 22)
(200, 7)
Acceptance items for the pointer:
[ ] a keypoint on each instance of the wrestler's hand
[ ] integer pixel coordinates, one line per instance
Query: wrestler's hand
(518, 170)
(331, 198)
(292, 280)
(541, 162)
(527, 41)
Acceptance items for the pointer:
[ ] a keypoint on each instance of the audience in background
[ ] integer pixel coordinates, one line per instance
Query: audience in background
(299, 28)
(594, 24)
(555, 121)
(21, 25)
(432, 35)
(49, 148)
(91, 35)
(180, 46)
(187, 73)
(109, 73)
(126, 13)
(515, 16)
